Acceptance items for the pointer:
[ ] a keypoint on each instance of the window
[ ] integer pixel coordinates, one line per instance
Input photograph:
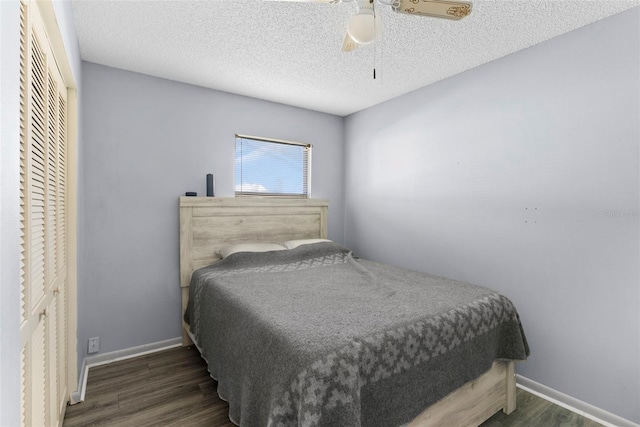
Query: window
(268, 167)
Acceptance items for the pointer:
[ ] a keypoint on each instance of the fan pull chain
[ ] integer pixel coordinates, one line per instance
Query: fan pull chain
(375, 54)
(375, 42)
(375, 58)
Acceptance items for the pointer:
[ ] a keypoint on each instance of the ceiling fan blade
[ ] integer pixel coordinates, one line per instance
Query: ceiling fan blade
(455, 10)
(348, 44)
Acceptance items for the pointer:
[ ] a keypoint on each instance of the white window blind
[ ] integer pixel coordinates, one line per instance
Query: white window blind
(268, 167)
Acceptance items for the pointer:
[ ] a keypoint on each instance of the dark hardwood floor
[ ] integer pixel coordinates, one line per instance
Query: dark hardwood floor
(173, 388)
(533, 411)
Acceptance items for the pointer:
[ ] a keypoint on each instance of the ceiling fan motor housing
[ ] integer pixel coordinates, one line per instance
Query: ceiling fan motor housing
(364, 27)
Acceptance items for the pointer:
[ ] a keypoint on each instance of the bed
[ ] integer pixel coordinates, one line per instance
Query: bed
(282, 356)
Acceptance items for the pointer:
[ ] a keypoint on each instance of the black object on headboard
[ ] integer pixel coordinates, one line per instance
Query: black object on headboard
(210, 185)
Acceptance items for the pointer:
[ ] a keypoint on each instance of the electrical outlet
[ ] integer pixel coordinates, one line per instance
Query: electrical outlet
(94, 345)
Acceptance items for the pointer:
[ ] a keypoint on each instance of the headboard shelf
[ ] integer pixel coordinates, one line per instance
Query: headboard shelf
(245, 202)
(210, 223)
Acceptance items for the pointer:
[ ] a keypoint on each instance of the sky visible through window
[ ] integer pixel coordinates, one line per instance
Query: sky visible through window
(270, 167)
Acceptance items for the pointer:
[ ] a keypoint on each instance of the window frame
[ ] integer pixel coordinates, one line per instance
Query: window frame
(307, 178)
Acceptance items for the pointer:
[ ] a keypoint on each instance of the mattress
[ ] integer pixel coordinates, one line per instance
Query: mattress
(315, 336)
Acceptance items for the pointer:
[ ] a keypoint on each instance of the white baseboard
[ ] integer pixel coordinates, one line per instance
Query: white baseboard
(572, 404)
(115, 356)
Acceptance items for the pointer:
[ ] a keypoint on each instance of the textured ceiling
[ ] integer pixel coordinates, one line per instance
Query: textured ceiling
(289, 52)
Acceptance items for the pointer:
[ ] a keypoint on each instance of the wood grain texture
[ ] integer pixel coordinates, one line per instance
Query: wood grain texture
(472, 403)
(510, 373)
(533, 411)
(173, 388)
(207, 224)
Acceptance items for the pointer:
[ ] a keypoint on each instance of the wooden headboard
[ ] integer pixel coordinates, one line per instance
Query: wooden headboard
(210, 223)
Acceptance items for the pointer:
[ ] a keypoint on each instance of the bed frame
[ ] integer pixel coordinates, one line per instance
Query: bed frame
(210, 223)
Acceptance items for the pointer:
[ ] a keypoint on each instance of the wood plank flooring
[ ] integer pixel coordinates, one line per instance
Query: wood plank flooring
(533, 411)
(173, 388)
(168, 388)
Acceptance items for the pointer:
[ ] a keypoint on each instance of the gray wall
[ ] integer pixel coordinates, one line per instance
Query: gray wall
(10, 193)
(522, 175)
(10, 213)
(147, 141)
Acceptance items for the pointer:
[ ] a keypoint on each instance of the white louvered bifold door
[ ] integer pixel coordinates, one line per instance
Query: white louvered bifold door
(43, 171)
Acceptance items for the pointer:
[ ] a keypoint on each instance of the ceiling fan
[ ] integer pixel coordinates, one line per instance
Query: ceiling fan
(365, 26)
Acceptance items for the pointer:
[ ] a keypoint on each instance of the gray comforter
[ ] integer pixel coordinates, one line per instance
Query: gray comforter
(316, 337)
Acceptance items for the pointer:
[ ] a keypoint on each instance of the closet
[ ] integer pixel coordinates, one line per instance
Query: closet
(45, 227)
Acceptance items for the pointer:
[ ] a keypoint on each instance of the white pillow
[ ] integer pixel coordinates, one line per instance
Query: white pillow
(249, 247)
(290, 244)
